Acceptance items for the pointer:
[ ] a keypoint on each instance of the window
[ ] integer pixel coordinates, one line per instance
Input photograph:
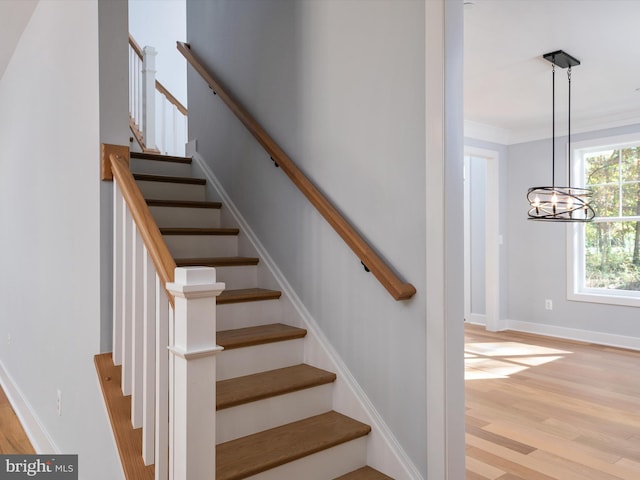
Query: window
(605, 254)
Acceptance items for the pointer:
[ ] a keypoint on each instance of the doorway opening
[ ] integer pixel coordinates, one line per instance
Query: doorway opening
(482, 239)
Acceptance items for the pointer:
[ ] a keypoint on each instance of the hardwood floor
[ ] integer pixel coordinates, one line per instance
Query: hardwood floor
(539, 408)
(12, 437)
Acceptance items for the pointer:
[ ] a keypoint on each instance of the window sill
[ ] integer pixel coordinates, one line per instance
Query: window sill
(619, 299)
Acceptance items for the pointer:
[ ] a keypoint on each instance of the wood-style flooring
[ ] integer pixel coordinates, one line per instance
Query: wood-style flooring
(539, 408)
(13, 440)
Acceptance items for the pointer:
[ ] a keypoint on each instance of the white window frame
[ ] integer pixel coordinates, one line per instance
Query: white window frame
(575, 232)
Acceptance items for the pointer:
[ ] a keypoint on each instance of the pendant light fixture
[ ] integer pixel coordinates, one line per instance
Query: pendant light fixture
(554, 203)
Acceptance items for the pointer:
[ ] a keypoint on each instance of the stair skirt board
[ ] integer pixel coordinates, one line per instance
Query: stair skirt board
(259, 358)
(383, 450)
(330, 463)
(253, 417)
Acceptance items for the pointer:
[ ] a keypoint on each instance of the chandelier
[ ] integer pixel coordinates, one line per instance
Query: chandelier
(554, 203)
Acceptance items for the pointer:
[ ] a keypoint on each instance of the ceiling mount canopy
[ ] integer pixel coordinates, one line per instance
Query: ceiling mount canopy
(554, 203)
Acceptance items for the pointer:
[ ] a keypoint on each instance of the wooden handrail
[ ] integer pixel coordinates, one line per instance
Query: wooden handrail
(173, 100)
(135, 46)
(147, 227)
(397, 288)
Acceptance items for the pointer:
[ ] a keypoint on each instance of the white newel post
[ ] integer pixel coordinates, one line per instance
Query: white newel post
(194, 350)
(149, 96)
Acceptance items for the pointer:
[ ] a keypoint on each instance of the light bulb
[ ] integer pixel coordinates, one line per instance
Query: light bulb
(536, 201)
(554, 198)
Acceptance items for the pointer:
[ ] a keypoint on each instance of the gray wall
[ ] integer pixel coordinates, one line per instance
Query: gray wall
(50, 235)
(340, 85)
(537, 250)
(114, 129)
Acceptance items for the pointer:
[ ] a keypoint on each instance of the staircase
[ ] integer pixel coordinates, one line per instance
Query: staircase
(275, 417)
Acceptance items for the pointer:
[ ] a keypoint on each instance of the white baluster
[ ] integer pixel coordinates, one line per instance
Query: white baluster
(149, 95)
(194, 352)
(138, 329)
(149, 368)
(162, 383)
(118, 214)
(174, 123)
(127, 323)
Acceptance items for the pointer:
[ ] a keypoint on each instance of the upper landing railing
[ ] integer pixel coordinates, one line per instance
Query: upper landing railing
(157, 119)
(399, 289)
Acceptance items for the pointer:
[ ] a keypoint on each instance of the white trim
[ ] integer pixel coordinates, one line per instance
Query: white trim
(575, 232)
(589, 336)
(193, 354)
(401, 460)
(503, 136)
(492, 237)
(488, 133)
(477, 319)
(467, 236)
(33, 427)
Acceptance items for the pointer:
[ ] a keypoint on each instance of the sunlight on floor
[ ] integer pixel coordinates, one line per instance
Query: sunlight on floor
(503, 359)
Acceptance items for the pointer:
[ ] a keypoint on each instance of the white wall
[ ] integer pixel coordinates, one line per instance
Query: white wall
(537, 253)
(50, 235)
(341, 86)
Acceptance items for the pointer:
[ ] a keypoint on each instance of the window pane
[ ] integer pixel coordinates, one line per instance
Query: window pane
(631, 199)
(630, 165)
(612, 255)
(606, 200)
(602, 167)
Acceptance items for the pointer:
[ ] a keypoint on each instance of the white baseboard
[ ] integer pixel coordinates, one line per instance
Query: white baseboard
(600, 338)
(392, 459)
(476, 319)
(37, 434)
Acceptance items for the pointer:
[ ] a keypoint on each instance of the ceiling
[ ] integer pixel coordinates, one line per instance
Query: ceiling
(14, 16)
(507, 83)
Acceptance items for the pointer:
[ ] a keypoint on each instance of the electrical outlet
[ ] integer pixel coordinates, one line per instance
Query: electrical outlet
(548, 304)
(59, 403)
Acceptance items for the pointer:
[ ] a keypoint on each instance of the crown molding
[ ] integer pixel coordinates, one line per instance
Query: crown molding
(502, 136)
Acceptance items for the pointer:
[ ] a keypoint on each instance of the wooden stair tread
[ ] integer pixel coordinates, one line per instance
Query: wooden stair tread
(258, 386)
(247, 295)
(262, 451)
(198, 231)
(146, 177)
(217, 261)
(128, 439)
(364, 473)
(249, 336)
(161, 158)
(183, 203)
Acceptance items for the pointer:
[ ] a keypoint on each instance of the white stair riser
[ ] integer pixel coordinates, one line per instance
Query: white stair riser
(238, 277)
(330, 463)
(186, 246)
(249, 314)
(171, 191)
(155, 167)
(259, 358)
(253, 417)
(186, 217)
